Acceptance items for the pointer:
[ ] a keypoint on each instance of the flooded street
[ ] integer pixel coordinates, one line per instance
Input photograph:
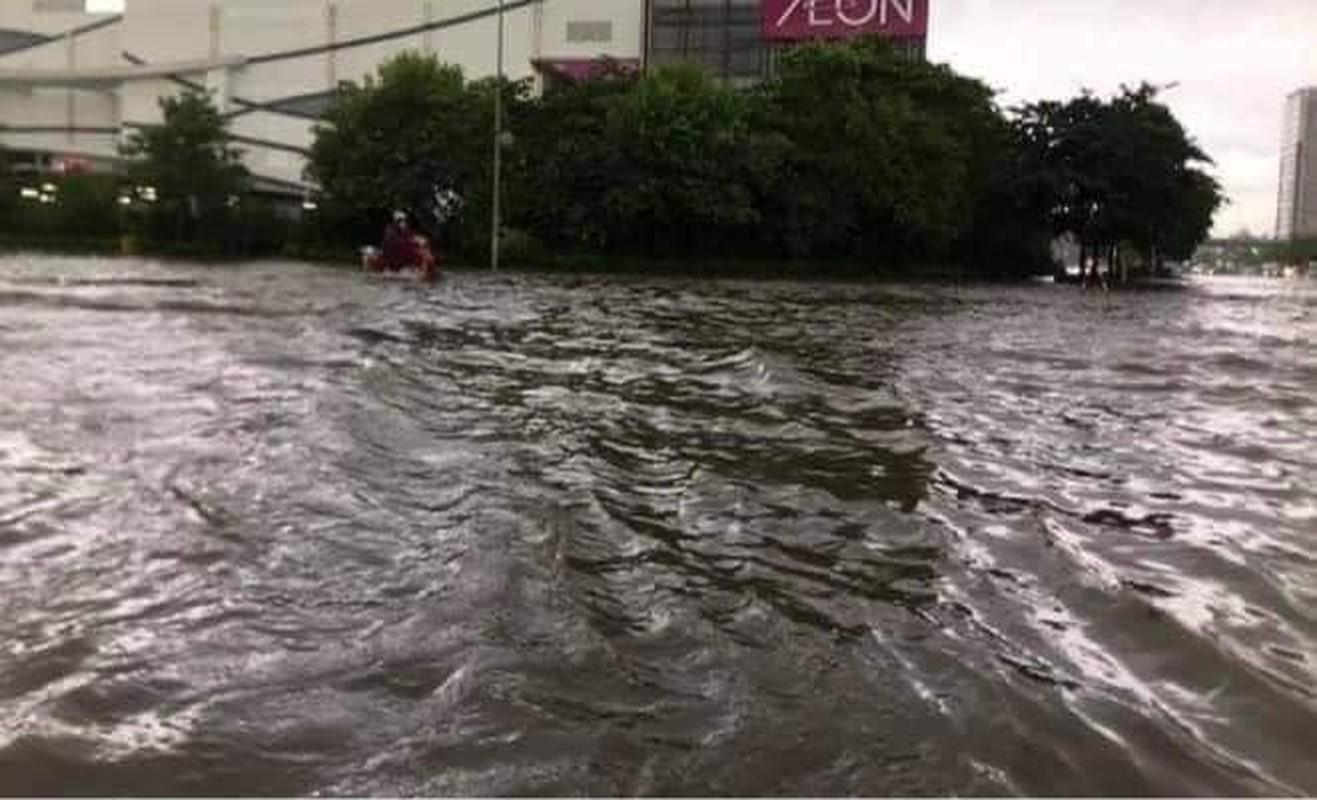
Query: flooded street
(276, 529)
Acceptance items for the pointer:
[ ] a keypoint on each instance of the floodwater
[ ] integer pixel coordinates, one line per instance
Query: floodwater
(283, 530)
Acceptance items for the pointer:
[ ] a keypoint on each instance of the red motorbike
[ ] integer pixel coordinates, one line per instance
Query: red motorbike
(424, 263)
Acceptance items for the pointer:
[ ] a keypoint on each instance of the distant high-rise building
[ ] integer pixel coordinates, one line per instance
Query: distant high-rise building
(1296, 217)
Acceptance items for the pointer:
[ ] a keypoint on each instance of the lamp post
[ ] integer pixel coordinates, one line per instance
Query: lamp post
(496, 222)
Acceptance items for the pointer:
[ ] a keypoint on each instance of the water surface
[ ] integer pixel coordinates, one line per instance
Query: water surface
(283, 530)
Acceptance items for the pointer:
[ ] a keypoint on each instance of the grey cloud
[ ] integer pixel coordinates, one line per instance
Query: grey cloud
(1234, 61)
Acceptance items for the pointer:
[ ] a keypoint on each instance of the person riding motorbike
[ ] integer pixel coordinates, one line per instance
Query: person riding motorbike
(402, 249)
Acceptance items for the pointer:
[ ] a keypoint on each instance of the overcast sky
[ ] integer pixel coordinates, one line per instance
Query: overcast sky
(1235, 61)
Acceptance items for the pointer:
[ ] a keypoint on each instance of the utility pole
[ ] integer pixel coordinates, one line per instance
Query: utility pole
(497, 221)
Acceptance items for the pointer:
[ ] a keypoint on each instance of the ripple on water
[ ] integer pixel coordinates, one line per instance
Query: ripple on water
(273, 530)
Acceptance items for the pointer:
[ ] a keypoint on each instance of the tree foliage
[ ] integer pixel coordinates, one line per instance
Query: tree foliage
(87, 206)
(82, 207)
(570, 164)
(658, 165)
(1116, 174)
(1299, 251)
(417, 136)
(189, 166)
(850, 154)
(8, 188)
(679, 140)
(884, 155)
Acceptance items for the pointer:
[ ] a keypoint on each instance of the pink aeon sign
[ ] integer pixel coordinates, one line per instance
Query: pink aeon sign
(799, 20)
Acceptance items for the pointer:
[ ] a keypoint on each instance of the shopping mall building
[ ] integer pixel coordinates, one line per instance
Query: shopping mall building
(72, 82)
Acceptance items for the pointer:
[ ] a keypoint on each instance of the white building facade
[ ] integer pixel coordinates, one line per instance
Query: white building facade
(71, 82)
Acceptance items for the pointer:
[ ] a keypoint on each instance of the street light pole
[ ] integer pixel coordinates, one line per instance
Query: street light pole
(497, 221)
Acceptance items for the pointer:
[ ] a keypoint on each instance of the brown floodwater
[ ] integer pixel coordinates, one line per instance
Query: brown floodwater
(275, 529)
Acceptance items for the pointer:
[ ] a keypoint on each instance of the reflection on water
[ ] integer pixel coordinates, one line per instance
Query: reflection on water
(280, 530)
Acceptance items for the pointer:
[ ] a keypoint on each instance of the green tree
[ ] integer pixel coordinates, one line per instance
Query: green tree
(471, 215)
(653, 165)
(851, 153)
(414, 137)
(1121, 176)
(1299, 251)
(1008, 234)
(679, 140)
(1062, 165)
(887, 154)
(188, 165)
(87, 207)
(570, 163)
(1186, 221)
(8, 192)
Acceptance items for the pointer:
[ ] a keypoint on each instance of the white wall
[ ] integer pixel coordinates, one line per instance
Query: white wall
(166, 31)
(58, 107)
(626, 19)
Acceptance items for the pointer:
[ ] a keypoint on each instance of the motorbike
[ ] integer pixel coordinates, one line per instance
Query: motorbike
(425, 268)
